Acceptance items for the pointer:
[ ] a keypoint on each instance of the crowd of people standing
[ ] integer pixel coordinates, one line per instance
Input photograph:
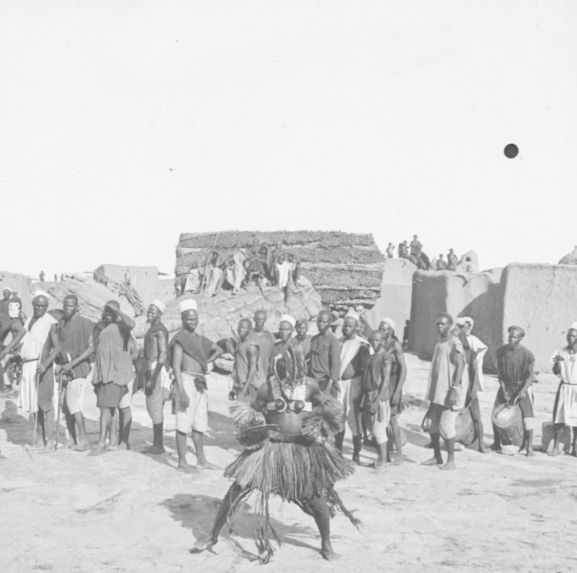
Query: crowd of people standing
(59, 352)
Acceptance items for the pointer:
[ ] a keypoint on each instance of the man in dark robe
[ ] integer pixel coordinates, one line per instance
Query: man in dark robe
(325, 360)
(515, 372)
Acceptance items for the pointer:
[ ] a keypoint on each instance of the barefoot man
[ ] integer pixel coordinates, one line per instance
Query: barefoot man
(398, 376)
(565, 411)
(72, 340)
(37, 386)
(376, 387)
(191, 354)
(353, 358)
(448, 383)
(113, 371)
(286, 455)
(157, 385)
(474, 353)
(325, 361)
(515, 372)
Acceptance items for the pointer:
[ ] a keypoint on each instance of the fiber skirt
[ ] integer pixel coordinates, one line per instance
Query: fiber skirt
(293, 471)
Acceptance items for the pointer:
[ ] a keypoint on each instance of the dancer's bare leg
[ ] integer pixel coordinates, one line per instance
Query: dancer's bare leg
(232, 496)
(320, 511)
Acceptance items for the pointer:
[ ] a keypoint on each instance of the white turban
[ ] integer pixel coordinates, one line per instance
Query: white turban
(288, 318)
(39, 293)
(353, 314)
(464, 319)
(188, 304)
(573, 326)
(6, 287)
(158, 304)
(390, 322)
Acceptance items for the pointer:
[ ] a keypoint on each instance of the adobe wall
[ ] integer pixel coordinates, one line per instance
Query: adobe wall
(477, 295)
(542, 299)
(396, 294)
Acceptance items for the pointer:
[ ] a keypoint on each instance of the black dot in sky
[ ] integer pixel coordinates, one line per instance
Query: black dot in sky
(511, 150)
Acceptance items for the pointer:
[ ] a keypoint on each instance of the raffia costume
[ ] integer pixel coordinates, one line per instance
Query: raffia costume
(287, 452)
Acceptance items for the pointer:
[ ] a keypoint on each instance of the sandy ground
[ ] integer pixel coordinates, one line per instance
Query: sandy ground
(125, 511)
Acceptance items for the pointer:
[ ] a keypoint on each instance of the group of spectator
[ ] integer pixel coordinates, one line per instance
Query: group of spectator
(237, 269)
(413, 252)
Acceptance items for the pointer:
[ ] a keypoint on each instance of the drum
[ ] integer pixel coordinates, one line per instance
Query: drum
(509, 422)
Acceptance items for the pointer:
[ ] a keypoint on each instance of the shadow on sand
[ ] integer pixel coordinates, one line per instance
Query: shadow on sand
(197, 513)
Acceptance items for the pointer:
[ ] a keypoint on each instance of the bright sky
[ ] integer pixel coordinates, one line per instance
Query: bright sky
(126, 122)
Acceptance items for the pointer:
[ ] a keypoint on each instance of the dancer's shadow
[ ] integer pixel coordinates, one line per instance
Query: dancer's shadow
(416, 436)
(222, 432)
(197, 512)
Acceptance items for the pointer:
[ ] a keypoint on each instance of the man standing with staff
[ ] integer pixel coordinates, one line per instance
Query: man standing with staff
(71, 339)
(37, 386)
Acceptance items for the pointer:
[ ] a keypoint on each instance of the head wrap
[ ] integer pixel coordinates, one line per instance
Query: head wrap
(352, 314)
(159, 305)
(6, 287)
(462, 320)
(390, 322)
(573, 326)
(38, 293)
(188, 304)
(112, 305)
(288, 318)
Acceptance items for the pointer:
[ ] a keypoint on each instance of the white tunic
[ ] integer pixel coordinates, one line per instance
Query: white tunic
(31, 351)
(566, 403)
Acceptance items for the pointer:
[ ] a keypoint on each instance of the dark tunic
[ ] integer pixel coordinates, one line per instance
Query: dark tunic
(240, 368)
(514, 366)
(113, 357)
(265, 342)
(376, 373)
(74, 336)
(325, 359)
(195, 345)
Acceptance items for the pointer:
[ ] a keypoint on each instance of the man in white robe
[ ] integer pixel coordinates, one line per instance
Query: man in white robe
(475, 351)
(36, 395)
(565, 410)
(354, 355)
